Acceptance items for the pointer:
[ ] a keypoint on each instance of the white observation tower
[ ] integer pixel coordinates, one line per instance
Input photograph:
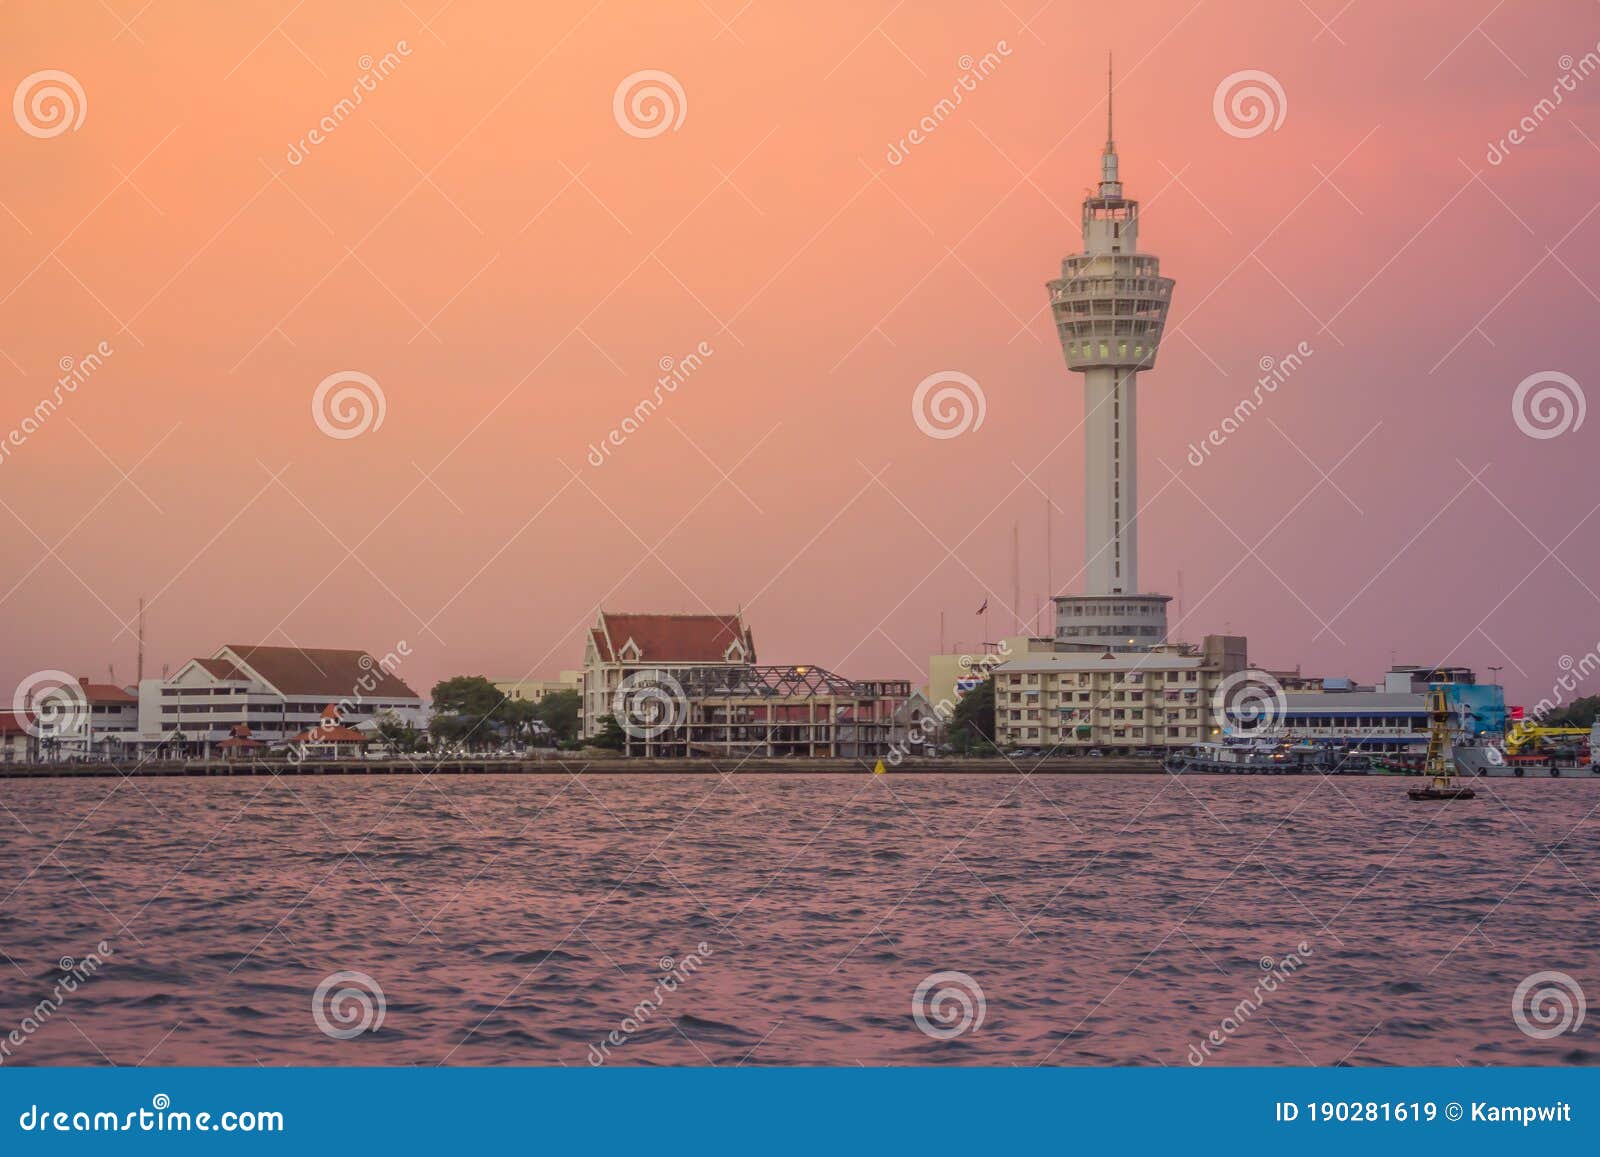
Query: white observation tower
(1110, 307)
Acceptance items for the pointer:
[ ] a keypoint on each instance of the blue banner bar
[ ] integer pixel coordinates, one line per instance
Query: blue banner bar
(813, 1111)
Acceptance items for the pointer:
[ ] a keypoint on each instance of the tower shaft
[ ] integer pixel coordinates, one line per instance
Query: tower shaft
(1111, 481)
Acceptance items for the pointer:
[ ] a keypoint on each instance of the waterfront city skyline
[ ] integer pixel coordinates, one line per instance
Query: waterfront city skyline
(485, 238)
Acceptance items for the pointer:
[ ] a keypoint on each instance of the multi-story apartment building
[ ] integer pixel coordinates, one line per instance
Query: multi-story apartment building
(1113, 701)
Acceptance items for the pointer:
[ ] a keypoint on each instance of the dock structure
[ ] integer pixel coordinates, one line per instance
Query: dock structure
(568, 765)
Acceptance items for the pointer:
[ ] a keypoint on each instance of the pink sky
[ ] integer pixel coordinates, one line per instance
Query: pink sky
(483, 239)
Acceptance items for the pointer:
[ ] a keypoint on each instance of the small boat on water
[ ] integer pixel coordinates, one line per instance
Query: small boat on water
(1397, 765)
(1261, 757)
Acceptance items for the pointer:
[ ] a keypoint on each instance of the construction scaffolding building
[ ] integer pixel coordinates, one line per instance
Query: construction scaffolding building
(752, 711)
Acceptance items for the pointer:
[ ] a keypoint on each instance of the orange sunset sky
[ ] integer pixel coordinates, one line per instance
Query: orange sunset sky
(483, 239)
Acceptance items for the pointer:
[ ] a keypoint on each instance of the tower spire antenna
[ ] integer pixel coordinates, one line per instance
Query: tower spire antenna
(1111, 139)
(1110, 181)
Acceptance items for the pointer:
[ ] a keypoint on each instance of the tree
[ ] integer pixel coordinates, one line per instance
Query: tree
(397, 733)
(973, 717)
(1578, 713)
(611, 737)
(559, 711)
(518, 716)
(467, 708)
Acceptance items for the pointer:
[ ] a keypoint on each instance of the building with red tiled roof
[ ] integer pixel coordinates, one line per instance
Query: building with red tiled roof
(622, 644)
(277, 692)
(17, 743)
(75, 719)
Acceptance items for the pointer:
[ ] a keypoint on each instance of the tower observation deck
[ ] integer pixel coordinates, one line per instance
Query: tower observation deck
(1110, 309)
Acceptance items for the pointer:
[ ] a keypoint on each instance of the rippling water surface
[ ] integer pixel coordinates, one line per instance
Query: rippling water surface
(520, 920)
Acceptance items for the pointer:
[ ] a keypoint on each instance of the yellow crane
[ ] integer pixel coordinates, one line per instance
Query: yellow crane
(1522, 734)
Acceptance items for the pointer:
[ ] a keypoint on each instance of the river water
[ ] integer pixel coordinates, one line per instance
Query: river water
(701, 919)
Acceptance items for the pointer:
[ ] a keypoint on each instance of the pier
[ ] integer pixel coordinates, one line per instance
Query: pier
(468, 765)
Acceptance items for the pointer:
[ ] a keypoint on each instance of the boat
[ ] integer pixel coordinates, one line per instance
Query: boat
(1494, 757)
(1397, 765)
(1282, 756)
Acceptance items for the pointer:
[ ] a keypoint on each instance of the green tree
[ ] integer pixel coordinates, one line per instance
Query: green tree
(518, 716)
(973, 718)
(466, 709)
(611, 737)
(397, 733)
(1578, 713)
(559, 711)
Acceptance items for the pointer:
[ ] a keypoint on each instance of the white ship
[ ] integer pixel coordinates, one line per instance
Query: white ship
(1506, 759)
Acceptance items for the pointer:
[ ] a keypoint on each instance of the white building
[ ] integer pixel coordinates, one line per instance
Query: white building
(18, 744)
(275, 691)
(1110, 309)
(620, 646)
(1076, 700)
(534, 690)
(91, 720)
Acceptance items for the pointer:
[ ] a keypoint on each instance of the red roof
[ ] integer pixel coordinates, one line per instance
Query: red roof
(221, 669)
(324, 671)
(673, 638)
(320, 734)
(10, 724)
(106, 693)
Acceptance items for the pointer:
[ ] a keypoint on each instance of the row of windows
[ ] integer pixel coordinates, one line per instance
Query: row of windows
(240, 692)
(265, 710)
(1113, 697)
(1345, 722)
(1116, 733)
(1080, 287)
(1085, 678)
(1085, 699)
(1067, 714)
(1094, 610)
(1086, 349)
